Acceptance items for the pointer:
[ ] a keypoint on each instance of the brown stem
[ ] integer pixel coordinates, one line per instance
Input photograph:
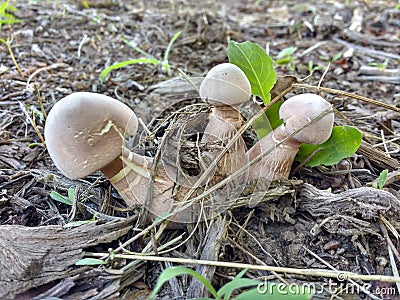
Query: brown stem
(130, 175)
(277, 163)
(224, 123)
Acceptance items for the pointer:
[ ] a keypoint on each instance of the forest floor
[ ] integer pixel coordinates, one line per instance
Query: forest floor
(328, 218)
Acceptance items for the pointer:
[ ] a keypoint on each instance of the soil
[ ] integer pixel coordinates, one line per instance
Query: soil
(325, 217)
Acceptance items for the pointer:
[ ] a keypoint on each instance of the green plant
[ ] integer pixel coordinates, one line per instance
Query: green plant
(285, 56)
(343, 142)
(258, 67)
(312, 68)
(6, 16)
(147, 59)
(256, 64)
(8, 42)
(69, 200)
(258, 290)
(381, 180)
(333, 59)
(381, 66)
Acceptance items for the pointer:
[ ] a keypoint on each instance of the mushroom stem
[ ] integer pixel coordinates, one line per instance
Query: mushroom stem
(278, 159)
(132, 181)
(224, 123)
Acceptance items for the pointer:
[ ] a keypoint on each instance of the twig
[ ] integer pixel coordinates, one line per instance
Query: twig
(81, 44)
(347, 94)
(52, 66)
(343, 276)
(370, 52)
(305, 272)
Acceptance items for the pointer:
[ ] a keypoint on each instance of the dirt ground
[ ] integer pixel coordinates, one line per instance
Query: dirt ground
(62, 47)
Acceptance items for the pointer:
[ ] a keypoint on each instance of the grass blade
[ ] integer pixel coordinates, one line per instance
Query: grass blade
(148, 55)
(127, 63)
(172, 272)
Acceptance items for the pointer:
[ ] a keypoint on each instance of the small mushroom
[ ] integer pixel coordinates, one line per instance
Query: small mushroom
(296, 112)
(225, 87)
(85, 132)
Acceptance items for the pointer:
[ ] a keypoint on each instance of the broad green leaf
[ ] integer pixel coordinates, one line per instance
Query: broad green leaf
(60, 198)
(273, 114)
(343, 143)
(90, 262)
(262, 126)
(276, 291)
(172, 272)
(257, 66)
(269, 121)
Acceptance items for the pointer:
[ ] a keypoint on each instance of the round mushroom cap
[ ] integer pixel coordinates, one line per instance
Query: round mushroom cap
(85, 131)
(300, 110)
(225, 84)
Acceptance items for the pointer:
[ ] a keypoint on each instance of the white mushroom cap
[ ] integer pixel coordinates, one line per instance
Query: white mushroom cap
(300, 110)
(85, 131)
(225, 84)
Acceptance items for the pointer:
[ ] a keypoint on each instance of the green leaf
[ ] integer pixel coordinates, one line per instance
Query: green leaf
(269, 121)
(276, 291)
(90, 262)
(286, 52)
(344, 142)
(127, 63)
(273, 114)
(285, 61)
(382, 178)
(130, 44)
(262, 126)
(60, 198)
(234, 284)
(169, 47)
(172, 272)
(256, 64)
(71, 194)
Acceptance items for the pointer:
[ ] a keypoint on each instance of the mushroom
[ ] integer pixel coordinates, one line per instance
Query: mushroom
(225, 87)
(307, 118)
(85, 132)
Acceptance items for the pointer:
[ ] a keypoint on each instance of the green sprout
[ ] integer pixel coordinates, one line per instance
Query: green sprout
(285, 57)
(381, 180)
(312, 68)
(147, 59)
(381, 66)
(69, 200)
(6, 16)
